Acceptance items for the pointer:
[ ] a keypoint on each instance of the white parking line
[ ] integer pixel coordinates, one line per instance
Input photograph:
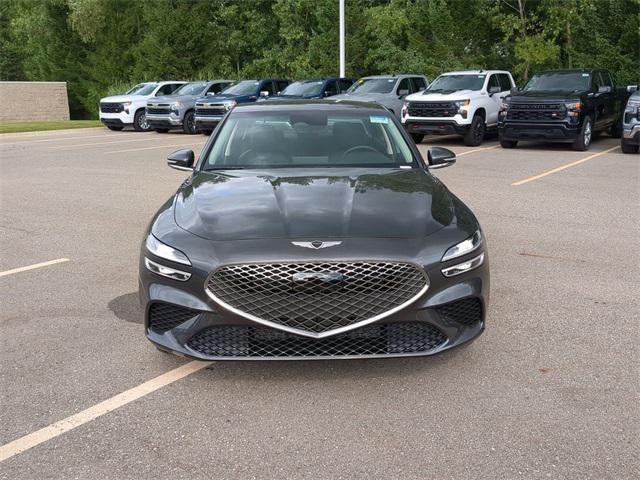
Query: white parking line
(192, 144)
(32, 267)
(58, 428)
(62, 147)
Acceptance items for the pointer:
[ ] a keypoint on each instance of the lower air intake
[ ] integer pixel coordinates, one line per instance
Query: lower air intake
(164, 317)
(466, 311)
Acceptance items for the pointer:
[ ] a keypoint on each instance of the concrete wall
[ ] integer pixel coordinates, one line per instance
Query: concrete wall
(26, 101)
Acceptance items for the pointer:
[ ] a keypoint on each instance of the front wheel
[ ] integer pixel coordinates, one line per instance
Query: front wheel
(628, 148)
(475, 134)
(508, 143)
(417, 137)
(583, 142)
(189, 123)
(140, 123)
(114, 128)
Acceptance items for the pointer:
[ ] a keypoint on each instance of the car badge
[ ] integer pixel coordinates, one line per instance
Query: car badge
(316, 245)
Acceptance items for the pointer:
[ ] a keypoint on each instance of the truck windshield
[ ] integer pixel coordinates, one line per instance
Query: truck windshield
(373, 85)
(304, 88)
(452, 83)
(193, 88)
(142, 89)
(309, 138)
(559, 81)
(246, 87)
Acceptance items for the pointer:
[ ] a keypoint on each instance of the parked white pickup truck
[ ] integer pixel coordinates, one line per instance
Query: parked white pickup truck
(465, 103)
(128, 109)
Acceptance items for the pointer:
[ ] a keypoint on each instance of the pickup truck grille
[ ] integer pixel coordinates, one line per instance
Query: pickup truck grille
(536, 111)
(432, 109)
(159, 108)
(111, 107)
(203, 110)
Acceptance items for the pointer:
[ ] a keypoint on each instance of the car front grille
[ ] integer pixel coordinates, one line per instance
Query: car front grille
(432, 109)
(536, 111)
(240, 341)
(164, 317)
(111, 107)
(316, 297)
(204, 110)
(159, 109)
(466, 311)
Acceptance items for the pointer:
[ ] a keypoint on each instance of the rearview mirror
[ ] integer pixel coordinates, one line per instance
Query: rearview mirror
(440, 157)
(181, 159)
(494, 89)
(264, 93)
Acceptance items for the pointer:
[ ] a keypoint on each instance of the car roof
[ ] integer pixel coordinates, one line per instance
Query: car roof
(394, 75)
(164, 82)
(474, 72)
(571, 70)
(310, 105)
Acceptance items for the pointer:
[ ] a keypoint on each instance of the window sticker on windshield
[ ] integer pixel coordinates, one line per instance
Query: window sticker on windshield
(480, 76)
(390, 80)
(378, 119)
(585, 74)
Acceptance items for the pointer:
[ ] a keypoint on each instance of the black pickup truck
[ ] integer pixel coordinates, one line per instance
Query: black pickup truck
(569, 106)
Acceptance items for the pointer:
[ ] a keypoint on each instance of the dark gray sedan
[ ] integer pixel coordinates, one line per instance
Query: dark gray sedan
(309, 230)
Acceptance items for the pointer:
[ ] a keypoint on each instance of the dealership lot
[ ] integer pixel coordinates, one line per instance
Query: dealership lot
(549, 391)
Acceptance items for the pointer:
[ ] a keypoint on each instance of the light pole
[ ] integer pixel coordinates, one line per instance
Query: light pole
(342, 74)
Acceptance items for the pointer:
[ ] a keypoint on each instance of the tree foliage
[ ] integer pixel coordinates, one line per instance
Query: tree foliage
(100, 45)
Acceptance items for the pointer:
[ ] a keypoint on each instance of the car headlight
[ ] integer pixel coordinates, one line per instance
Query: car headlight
(228, 105)
(405, 108)
(125, 106)
(462, 104)
(463, 267)
(163, 250)
(176, 105)
(573, 108)
(464, 247)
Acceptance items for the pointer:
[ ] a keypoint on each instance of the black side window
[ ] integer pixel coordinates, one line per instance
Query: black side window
(216, 87)
(345, 85)
(267, 87)
(165, 90)
(505, 83)
(404, 85)
(493, 82)
(282, 84)
(606, 79)
(597, 80)
(418, 84)
(331, 88)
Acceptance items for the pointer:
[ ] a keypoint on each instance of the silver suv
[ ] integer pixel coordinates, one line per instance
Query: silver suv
(177, 110)
(387, 90)
(630, 141)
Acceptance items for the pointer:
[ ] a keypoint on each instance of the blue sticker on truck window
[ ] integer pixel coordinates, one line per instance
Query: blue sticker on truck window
(378, 119)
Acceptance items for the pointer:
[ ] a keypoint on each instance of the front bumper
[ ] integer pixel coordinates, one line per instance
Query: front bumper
(117, 119)
(549, 131)
(631, 135)
(164, 121)
(207, 122)
(181, 318)
(435, 127)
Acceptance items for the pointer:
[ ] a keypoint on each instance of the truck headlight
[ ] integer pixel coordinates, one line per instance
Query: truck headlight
(175, 107)
(229, 104)
(163, 250)
(573, 109)
(464, 247)
(462, 105)
(125, 106)
(405, 109)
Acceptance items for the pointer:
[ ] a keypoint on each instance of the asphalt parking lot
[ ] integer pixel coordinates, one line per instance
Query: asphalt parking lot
(550, 390)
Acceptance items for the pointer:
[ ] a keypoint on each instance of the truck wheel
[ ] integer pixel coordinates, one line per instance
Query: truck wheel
(140, 122)
(162, 130)
(188, 123)
(475, 134)
(114, 128)
(628, 148)
(508, 143)
(583, 142)
(417, 137)
(616, 129)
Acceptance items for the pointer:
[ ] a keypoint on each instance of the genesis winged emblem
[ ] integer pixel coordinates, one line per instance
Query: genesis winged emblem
(316, 245)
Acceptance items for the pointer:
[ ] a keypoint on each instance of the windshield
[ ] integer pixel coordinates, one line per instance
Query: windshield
(560, 81)
(246, 87)
(193, 88)
(304, 138)
(452, 83)
(305, 88)
(373, 85)
(142, 89)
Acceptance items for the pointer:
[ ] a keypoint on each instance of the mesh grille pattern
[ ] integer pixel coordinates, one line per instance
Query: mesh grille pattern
(111, 107)
(163, 317)
(433, 109)
(536, 111)
(159, 110)
(467, 311)
(317, 297)
(211, 111)
(261, 342)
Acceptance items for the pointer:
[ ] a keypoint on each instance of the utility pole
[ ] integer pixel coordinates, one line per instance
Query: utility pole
(342, 73)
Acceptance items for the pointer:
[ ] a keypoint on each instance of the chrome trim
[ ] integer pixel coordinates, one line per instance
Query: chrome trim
(154, 267)
(329, 333)
(474, 263)
(316, 245)
(480, 242)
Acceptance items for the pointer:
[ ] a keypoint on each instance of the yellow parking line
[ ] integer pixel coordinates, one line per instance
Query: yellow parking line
(476, 150)
(58, 428)
(82, 137)
(563, 167)
(158, 146)
(32, 267)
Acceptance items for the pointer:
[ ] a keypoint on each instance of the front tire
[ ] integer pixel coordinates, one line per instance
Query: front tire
(140, 123)
(417, 137)
(475, 134)
(508, 143)
(583, 142)
(628, 148)
(189, 123)
(114, 128)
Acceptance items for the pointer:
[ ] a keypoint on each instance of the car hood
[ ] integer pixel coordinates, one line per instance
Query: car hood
(362, 97)
(313, 204)
(224, 98)
(123, 98)
(451, 96)
(550, 94)
(174, 98)
(291, 97)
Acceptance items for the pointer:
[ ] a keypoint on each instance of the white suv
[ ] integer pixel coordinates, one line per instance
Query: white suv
(465, 103)
(125, 110)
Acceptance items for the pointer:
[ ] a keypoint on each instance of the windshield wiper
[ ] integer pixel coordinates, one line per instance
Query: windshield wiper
(223, 168)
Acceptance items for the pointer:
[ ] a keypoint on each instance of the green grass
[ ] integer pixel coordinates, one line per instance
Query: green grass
(41, 126)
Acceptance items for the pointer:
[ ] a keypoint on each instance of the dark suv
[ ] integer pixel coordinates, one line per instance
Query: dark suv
(212, 108)
(313, 88)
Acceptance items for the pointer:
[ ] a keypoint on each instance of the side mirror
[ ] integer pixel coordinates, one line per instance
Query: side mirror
(494, 89)
(181, 159)
(604, 89)
(514, 90)
(422, 89)
(211, 93)
(403, 91)
(632, 88)
(264, 93)
(440, 157)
